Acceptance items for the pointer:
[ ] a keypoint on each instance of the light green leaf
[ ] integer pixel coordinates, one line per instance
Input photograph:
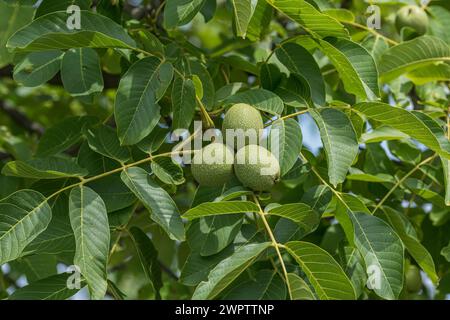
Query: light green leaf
(300, 62)
(383, 255)
(299, 288)
(383, 133)
(197, 267)
(210, 235)
(148, 256)
(63, 135)
(154, 140)
(23, 216)
(411, 55)
(260, 21)
(261, 99)
(37, 68)
(103, 139)
(13, 16)
(310, 18)
(58, 237)
(417, 125)
(89, 222)
(339, 141)
(285, 140)
(354, 268)
(51, 288)
(355, 65)
(325, 274)
(243, 11)
(163, 209)
(48, 6)
(219, 208)
(113, 191)
(51, 32)
(167, 171)
(430, 73)
(341, 14)
(81, 73)
(136, 109)
(414, 247)
(228, 269)
(180, 12)
(299, 213)
(266, 285)
(318, 199)
(183, 102)
(44, 168)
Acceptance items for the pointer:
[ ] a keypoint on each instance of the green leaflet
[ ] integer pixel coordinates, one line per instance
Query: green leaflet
(339, 141)
(23, 216)
(299, 61)
(219, 208)
(63, 135)
(416, 124)
(210, 235)
(183, 102)
(324, 273)
(228, 269)
(261, 99)
(267, 285)
(243, 11)
(383, 256)
(89, 222)
(104, 140)
(51, 288)
(180, 12)
(81, 72)
(310, 18)
(136, 108)
(163, 209)
(51, 32)
(37, 68)
(414, 247)
(44, 168)
(411, 55)
(299, 288)
(285, 140)
(13, 16)
(148, 257)
(355, 65)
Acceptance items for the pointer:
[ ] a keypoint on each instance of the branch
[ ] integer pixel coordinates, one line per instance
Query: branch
(275, 244)
(5, 156)
(21, 119)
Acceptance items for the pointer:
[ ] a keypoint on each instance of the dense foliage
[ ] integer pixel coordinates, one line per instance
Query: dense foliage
(90, 191)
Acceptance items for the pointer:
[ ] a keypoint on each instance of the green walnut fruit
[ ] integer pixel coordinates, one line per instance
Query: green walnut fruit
(413, 17)
(212, 166)
(244, 124)
(256, 168)
(413, 279)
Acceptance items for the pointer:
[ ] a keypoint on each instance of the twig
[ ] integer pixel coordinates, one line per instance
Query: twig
(399, 182)
(376, 33)
(274, 244)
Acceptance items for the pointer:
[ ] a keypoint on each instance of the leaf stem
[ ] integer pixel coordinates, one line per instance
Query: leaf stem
(376, 33)
(124, 167)
(275, 244)
(205, 116)
(292, 115)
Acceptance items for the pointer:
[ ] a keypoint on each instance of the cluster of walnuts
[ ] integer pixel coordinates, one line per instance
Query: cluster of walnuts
(248, 163)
